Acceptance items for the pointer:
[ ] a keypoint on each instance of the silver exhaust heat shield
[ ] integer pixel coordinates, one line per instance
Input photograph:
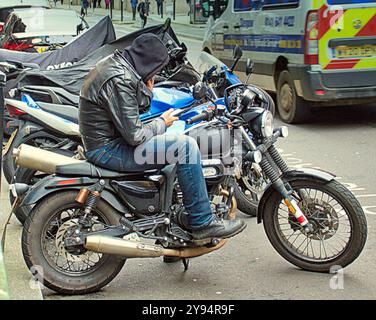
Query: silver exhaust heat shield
(38, 159)
(136, 249)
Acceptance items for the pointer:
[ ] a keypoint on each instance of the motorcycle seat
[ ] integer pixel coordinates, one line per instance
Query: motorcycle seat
(87, 169)
(64, 111)
(57, 95)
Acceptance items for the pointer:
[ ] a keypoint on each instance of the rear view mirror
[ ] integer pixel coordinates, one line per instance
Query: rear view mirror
(237, 53)
(249, 67)
(199, 91)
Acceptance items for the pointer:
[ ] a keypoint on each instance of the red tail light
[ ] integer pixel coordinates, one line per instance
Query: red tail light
(67, 182)
(17, 46)
(13, 111)
(311, 54)
(1, 26)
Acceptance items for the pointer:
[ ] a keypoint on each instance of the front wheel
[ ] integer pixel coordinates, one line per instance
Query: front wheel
(43, 245)
(339, 224)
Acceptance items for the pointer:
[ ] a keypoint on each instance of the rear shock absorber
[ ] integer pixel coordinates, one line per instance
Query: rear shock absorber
(90, 198)
(279, 161)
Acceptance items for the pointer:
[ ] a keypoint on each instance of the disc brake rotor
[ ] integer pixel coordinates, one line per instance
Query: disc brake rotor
(59, 241)
(253, 183)
(321, 215)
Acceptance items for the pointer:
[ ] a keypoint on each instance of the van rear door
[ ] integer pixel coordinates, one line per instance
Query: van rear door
(347, 35)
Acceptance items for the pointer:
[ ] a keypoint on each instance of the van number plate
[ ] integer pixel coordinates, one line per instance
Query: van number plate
(365, 51)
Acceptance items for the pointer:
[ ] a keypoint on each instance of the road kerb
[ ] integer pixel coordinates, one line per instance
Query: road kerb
(4, 291)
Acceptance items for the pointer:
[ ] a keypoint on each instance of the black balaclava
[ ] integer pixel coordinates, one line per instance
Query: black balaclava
(148, 55)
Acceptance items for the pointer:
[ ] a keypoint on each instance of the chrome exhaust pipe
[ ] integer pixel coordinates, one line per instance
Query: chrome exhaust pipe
(38, 159)
(135, 249)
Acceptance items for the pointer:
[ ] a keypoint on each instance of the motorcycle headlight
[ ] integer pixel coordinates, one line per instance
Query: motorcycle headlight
(267, 124)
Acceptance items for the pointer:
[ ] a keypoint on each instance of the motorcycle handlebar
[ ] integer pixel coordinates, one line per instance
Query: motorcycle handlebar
(205, 115)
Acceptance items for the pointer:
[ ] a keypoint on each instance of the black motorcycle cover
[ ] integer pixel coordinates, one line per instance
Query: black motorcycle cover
(95, 37)
(71, 78)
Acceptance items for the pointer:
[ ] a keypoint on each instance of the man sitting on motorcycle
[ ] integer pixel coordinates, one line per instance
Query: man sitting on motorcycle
(113, 95)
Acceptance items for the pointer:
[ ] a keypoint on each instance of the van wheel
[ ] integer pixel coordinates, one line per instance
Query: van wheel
(291, 108)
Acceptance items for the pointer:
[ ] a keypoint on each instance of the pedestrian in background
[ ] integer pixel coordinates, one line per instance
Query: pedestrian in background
(99, 3)
(147, 5)
(107, 2)
(94, 4)
(142, 10)
(159, 6)
(189, 5)
(134, 9)
(84, 6)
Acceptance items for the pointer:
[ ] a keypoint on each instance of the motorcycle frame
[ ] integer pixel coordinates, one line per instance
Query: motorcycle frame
(55, 183)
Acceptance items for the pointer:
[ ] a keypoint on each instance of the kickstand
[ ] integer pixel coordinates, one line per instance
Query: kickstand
(185, 263)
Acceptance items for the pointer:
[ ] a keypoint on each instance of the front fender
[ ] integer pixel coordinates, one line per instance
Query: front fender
(304, 173)
(49, 185)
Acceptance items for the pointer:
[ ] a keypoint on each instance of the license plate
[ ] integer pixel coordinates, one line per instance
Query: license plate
(366, 51)
(9, 143)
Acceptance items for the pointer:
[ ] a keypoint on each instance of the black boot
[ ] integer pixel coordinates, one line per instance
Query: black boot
(219, 228)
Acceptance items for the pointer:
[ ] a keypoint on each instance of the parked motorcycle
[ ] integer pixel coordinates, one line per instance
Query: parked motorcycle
(86, 221)
(169, 94)
(55, 128)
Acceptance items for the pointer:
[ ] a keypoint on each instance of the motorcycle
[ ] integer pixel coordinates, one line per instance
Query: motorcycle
(55, 128)
(168, 94)
(86, 221)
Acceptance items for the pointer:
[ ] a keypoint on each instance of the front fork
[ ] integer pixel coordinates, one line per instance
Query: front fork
(273, 165)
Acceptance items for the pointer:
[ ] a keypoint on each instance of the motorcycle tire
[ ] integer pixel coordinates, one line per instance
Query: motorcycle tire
(354, 212)
(60, 281)
(245, 204)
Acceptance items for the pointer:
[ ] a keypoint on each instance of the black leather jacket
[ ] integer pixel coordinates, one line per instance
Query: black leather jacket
(110, 100)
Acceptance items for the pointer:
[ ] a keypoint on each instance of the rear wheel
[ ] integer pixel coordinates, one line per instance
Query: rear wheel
(291, 107)
(339, 223)
(43, 245)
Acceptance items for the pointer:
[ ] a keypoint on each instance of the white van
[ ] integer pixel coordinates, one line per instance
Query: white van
(310, 52)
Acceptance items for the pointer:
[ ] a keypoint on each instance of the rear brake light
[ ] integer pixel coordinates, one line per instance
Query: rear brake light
(17, 46)
(13, 111)
(311, 53)
(320, 92)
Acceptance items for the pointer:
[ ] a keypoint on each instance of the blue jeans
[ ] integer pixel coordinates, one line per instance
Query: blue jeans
(156, 154)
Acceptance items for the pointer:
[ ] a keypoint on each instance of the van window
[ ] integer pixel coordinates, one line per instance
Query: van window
(335, 2)
(270, 3)
(247, 5)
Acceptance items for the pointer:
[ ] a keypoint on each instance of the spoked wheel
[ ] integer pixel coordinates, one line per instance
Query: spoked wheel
(339, 226)
(248, 190)
(43, 244)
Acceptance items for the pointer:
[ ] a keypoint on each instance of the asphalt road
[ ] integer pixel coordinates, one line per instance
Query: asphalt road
(340, 140)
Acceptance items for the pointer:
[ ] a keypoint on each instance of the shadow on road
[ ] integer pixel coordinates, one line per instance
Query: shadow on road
(345, 115)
